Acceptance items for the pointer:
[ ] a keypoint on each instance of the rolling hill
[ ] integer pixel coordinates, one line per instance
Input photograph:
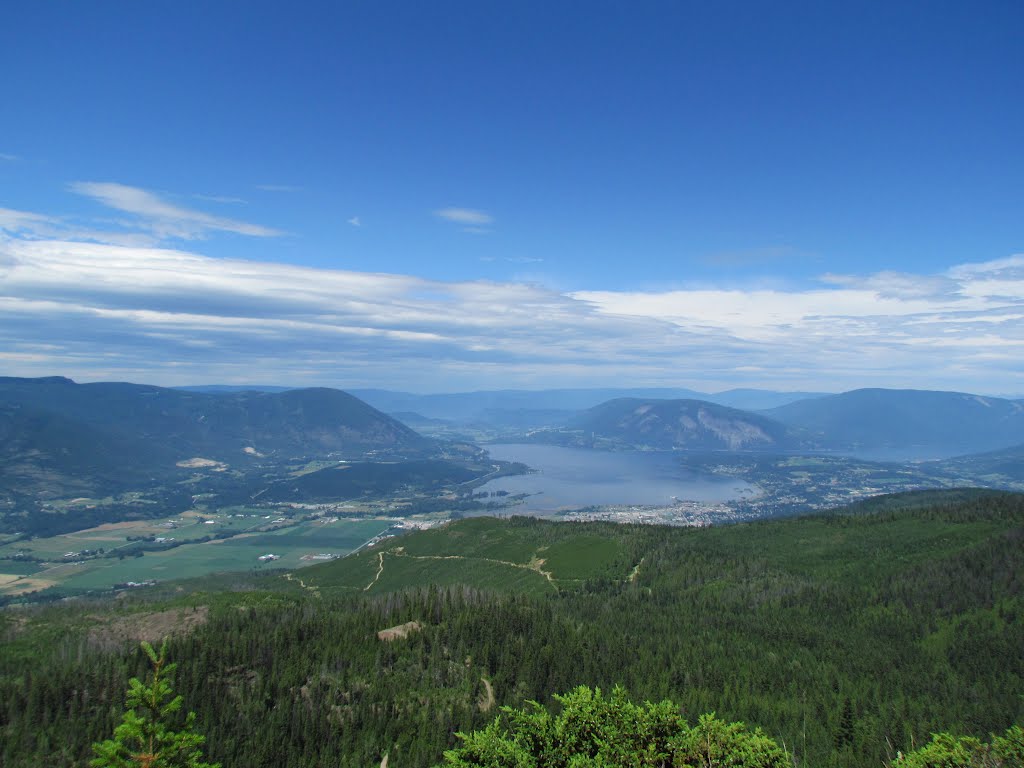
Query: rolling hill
(689, 424)
(216, 426)
(929, 424)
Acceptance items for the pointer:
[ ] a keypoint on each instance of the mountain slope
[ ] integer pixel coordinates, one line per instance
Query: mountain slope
(692, 424)
(939, 423)
(217, 426)
(60, 439)
(47, 455)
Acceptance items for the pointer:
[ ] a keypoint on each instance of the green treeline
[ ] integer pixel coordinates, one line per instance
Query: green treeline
(845, 638)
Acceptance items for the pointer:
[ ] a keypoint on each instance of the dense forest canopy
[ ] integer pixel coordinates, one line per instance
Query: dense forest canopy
(846, 638)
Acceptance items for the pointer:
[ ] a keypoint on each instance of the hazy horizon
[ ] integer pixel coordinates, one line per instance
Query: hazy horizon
(427, 393)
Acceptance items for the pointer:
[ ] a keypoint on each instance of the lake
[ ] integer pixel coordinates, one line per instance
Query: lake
(578, 477)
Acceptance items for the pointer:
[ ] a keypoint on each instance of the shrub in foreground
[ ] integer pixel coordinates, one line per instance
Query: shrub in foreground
(594, 731)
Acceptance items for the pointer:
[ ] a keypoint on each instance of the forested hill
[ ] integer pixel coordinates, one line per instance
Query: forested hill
(845, 637)
(219, 426)
(692, 424)
(62, 439)
(939, 423)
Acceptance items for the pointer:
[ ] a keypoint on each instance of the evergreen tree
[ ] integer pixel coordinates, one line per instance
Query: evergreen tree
(145, 736)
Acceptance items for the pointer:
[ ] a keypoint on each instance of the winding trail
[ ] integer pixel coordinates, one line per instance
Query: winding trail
(536, 564)
(380, 570)
(290, 576)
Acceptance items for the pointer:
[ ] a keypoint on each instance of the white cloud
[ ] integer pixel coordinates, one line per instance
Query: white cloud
(470, 216)
(24, 221)
(96, 310)
(355, 222)
(8, 158)
(164, 219)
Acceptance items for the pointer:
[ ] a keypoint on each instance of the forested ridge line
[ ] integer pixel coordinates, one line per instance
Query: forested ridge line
(847, 637)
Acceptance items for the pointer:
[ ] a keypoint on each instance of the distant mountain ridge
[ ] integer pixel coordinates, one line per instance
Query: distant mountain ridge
(947, 423)
(220, 426)
(109, 435)
(227, 389)
(517, 407)
(683, 424)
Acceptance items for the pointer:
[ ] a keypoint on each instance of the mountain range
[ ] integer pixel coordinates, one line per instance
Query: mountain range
(922, 423)
(521, 407)
(89, 426)
(57, 436)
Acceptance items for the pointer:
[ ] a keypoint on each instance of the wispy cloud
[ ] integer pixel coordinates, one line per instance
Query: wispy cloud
(162, 218)
(33, 225)
(26, 222)
(355, 222)
(95, 310)
(8, 158)
(468, 216)
(278, 188)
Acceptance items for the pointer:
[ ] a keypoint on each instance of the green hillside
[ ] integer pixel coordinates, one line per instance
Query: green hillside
(522, 555)
(844, 637)
(350, 480)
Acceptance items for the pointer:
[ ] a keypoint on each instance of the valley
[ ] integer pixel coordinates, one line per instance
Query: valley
(137, 554)
(511, 385)
(109, 485)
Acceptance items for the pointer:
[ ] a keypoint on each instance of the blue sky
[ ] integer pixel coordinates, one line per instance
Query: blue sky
(445, 196)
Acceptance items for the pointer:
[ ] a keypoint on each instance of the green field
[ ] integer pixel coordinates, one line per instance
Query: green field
(186, 527)
(293, 544)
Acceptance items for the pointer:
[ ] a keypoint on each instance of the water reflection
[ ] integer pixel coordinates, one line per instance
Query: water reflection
(577, 477)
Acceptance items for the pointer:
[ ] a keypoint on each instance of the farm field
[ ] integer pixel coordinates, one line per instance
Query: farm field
(68, 563)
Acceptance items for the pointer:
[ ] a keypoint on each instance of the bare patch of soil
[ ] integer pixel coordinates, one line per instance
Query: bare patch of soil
(486, 701)
(400, 632)
(152, 627)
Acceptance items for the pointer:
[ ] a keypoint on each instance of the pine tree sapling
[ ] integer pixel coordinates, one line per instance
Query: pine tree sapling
(145, 736)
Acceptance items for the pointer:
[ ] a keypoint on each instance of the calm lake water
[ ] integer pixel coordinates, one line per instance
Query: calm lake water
(577, 477)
